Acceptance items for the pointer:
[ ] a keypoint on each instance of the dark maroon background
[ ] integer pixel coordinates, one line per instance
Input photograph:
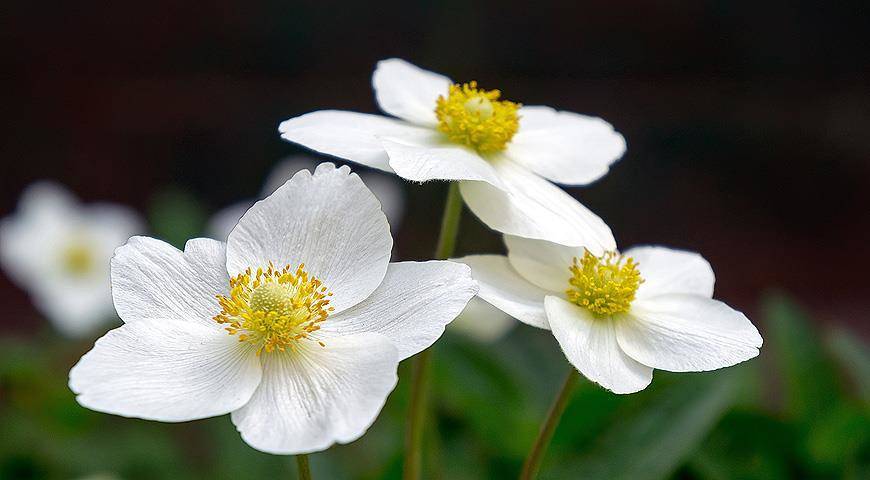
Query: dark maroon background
(747, 122)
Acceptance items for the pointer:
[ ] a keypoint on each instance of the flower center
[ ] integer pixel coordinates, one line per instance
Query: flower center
(604, 285)
(274, 309)
(77, 259)
(477, 118)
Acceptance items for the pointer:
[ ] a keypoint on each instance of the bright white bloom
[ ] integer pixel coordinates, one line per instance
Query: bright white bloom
(618, 316)
(504, 154)
(482, 322)
(59, 250)
(386, 189)
(296, 325)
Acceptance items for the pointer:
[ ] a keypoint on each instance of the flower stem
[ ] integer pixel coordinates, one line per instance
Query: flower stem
(533, 461)
(304, 470)
(449, 223)
(420, 379)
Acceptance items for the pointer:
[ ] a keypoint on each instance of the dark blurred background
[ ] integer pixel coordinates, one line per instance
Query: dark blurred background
(746, 122)
(747, 126)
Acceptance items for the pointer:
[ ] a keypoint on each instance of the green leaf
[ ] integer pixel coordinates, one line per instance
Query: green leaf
(854, 359)
(748, 445)
(652, 442)
(809, 381)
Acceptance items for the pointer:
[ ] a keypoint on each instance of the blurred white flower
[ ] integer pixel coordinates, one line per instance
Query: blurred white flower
(386, 189)
(296, 325)
(503, 153)
(618, 316)
(482, 322)
(59, 250)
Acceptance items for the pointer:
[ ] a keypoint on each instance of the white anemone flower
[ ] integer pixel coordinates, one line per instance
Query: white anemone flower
(505, 155)
(386, 189)
(59, 249)
(619, 315)
(295, 325)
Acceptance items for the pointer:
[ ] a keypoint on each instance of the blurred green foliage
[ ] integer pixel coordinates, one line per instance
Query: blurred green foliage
(798, 411)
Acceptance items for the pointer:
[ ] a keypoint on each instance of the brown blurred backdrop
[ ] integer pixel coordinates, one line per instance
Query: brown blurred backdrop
(747, 122)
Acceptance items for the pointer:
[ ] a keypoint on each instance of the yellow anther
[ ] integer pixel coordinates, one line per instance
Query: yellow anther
(604, 285)
(274, 309)
(477, 118)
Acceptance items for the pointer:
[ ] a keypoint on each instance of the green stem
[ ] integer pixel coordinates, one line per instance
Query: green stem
(533, 461)
(422, 362)
(304, 469)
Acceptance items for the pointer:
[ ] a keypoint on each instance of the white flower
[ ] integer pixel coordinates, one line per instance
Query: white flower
(385, 188)
(618, 316)
(482, 322)
(59, 250)
(503, 153)
(296, 325)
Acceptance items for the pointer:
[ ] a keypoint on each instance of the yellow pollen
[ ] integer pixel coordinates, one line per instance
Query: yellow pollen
(604, 285)
(477, 118)
(274, 309)
(77, 259)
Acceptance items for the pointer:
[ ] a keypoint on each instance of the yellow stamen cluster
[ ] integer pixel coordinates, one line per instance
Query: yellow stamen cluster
(274, 309)
(77, 259)
(604, 285)
(477, 118)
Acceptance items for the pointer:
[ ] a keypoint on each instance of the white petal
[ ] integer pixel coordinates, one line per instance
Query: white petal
(435, 160)
(350, 135)
(407, 91)
(590, 345)
(535, 208)
(154, 280)
(687, 333)
(224, 221)
(412, 306)
(166, 370)
(506, 290)
(482, 322)
(313, 398)
(546, 264)
(565, 147)
(665, 270)
(330, 222)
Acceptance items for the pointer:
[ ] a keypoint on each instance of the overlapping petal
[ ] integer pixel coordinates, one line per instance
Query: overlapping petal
(543, 263)
(590, 344)
(319, 396)
(532, 207)
(412, 306)
(407, 91)
(438, 160)
(505, 289)
(166, 370)
(666, 270)
(687, 333)
(565, 147)
(350, 135)
(154, 280)
(328, 221)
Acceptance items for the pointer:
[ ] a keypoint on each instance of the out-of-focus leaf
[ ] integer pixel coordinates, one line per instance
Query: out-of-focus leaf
(853, 357)
(810, 385)
(746, 445)
(652, 442)
(176, 216)
(839, 438)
